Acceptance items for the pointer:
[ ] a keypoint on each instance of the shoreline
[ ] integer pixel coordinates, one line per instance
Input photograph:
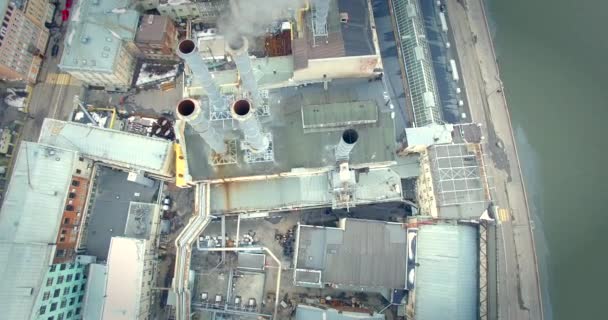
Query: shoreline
(517, 298)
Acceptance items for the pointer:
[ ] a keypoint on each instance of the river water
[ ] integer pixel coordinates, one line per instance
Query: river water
(552, 55)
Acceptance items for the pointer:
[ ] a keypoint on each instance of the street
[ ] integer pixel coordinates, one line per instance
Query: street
(519, 295)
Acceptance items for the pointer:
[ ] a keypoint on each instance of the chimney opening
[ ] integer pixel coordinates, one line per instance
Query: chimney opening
(186, 107)
(186, 46)
(242, 107)
(236, 43)
(350, 136)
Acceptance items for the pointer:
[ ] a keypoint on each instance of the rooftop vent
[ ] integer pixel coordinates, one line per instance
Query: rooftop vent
(84, 39)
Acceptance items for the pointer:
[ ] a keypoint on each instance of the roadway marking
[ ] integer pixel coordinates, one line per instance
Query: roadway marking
(504, 215)
(59, 79)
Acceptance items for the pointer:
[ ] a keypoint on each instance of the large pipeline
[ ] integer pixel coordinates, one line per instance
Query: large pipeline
(191, 111)
(187, 50)
(243, 112)
(238, 49)
(347, 143)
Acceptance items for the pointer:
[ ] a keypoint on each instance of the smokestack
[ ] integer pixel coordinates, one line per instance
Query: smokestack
(238, 49)
(321, 10)
(244, 113)
(191, 111)
(346, 144)
(187, 50)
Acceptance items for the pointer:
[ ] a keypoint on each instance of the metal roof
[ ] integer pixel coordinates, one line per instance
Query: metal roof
(446, 272)
(124, 284)
(95, 34)
(35, 199)
(339, 114)
(305, 312)
(429, 135)
(96, 288)
(114, 147)
(23, 267)
(357, 32)
(361, 253)
(459, 180)
(418, 63)
(294, 148)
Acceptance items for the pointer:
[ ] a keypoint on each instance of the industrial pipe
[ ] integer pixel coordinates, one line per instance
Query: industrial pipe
(243, 112)
(191, 111)
(238, 49)
(321, 11)
(347, 143)
(187, 50)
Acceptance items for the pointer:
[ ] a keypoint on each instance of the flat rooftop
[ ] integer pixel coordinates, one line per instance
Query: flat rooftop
(361, 254)
(110, 208)
(295, 148)
(459, 180)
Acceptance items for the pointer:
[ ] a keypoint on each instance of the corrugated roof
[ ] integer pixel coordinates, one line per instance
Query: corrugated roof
(96, 288)
(305, 312)
(35, 199)
(95, 34)
(23, 267)
(116, 147)
(125, 272)
(446, 272)
(364, 254)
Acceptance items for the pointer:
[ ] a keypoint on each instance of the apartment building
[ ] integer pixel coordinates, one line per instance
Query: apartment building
(62, 292)
(23, 39)
(156, 38)
(98, 48)
(207, 11)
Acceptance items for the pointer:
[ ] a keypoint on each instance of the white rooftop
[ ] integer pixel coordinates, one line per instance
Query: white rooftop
(120, 148)
(124, 279)
(29, 220)
(429, 135)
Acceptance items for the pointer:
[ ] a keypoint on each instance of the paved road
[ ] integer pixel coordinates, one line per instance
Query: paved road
(519, 295)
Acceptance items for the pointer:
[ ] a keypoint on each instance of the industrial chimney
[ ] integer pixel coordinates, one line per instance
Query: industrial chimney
(191, 111)
(321, 9)
(244, 113)
(187, 50)
(346, 144)
(238, 49)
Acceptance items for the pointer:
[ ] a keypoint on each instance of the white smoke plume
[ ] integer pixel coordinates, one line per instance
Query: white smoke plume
(251, 18)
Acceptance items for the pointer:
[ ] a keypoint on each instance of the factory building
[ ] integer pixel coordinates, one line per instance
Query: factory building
(294, 52)
(98, 48)
(23, 39)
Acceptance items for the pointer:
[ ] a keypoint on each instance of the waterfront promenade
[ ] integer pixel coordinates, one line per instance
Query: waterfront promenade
(518, 287)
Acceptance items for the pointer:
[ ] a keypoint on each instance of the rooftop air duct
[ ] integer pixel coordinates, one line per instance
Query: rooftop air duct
(191, 111)
(244, 113)
(238, 49)
(321, 9)
(346, 144)
(187, 50)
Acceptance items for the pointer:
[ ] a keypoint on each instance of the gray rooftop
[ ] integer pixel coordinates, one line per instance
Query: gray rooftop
(251, 261)
(459, 180)
(446, 272)
(128, 150)
(286, 193)
(35, 199)
(139, 219)
(295, 149)
(95, 290)
(361, 253)
(29, 221)
(110, 208)
(95, 34)
(305, 312)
